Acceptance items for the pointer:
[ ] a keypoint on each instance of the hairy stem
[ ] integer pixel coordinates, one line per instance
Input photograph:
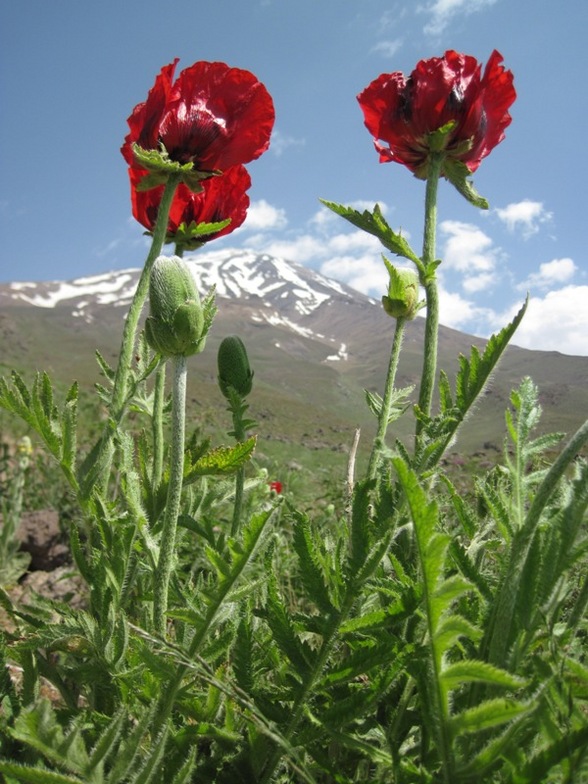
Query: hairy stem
(157, 428)
(172, 509)
(429, 282)
(240, 476)
(379, 442)
(119, 393)
(96, 469)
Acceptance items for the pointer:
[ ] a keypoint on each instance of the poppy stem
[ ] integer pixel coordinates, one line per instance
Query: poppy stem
(429, 282)
(384, 417)
(174, 493)
(157, 431)
(96, 469)
(119, 392)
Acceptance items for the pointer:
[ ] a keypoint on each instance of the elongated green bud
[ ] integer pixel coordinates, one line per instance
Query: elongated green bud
(175, 325)
(233, 367)
(403, 292)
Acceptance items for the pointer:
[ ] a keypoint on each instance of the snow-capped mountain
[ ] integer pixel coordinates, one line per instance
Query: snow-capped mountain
(274, 291)
(315, 344)
(236, 274)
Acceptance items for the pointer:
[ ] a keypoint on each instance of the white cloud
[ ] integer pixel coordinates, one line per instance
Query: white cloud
(441, 12)
(475, 283)
(469, 252)
(551, 273)
(365, 273)
(280, 142)
(556, 322)
(458, 312)
(467, 248)
(388, 48)
(262, 216)
(526, 215)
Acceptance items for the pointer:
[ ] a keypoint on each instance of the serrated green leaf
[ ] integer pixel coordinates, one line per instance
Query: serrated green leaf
(537, 768)
(399, 402)
(375, 223)
(30, 775)
(106, 369)
(222, 461)
(183, 776)
(149, 769)
(488, 714)
(451, 628)
(107, 742)
(469, 670)
(311, 570)
(284, 633)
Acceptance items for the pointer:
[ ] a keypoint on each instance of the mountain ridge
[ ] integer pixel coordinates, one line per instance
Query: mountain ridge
(315, 345)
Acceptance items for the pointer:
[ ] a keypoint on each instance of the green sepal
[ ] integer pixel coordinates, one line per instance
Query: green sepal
(402, 300)
(160, 166)
(177, 324)
(189, 236)
(437, 140)
(458, 175)
(375, 223)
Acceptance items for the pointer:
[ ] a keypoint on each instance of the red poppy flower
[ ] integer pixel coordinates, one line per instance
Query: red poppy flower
(276, 487)
(222, 197)
(212, 116)
(404, 112)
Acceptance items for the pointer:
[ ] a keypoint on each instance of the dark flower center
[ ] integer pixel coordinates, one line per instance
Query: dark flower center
(455, 99)
(404, 106)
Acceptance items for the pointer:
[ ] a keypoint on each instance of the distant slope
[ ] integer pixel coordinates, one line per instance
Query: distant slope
(314, 343)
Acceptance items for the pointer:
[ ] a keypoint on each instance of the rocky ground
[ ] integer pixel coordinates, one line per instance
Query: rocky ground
(50, 572)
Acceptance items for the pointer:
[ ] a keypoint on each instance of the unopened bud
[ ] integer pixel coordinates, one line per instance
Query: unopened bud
(402, 300)
(233, 367)
(175, 324)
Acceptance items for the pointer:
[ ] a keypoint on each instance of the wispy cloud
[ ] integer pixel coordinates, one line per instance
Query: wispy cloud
(388, 48)
(525, 215)
(442, 12)
(281, 142)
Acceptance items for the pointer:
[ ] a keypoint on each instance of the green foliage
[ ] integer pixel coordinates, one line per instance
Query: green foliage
(474, 373)
(401, 629)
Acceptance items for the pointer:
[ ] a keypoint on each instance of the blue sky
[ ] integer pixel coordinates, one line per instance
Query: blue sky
(72, 70)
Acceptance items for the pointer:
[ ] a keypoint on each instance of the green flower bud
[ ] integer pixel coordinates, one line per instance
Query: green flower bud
(233, 367)
(403, 293)
(175, 325)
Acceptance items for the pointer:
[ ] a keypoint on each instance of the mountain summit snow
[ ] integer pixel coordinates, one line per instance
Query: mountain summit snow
(276, 291)
(315, 344)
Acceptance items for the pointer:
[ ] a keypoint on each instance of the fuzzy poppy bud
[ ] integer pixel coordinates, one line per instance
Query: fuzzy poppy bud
(403, 293)
(233, 367)
(175, 326)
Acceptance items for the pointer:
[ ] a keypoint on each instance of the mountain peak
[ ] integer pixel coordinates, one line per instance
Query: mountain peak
(276, 291)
